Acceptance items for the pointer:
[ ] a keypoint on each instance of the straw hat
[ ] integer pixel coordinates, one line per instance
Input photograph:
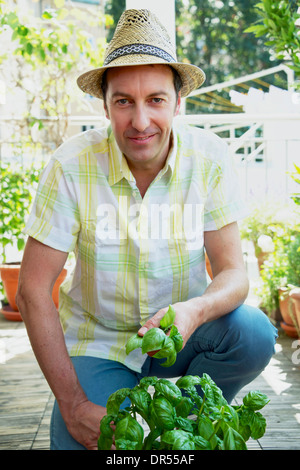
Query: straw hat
(140, 39)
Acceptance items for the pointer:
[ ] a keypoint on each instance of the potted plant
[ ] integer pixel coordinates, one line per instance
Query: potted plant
(18, 187)
(267, 221)
(280, 274)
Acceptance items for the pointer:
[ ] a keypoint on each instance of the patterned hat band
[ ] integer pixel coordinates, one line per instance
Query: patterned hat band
(138, 49)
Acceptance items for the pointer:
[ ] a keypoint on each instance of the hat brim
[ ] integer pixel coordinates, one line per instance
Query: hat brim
(192, 77)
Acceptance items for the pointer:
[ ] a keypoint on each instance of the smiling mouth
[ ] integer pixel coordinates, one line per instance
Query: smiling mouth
(141, 139)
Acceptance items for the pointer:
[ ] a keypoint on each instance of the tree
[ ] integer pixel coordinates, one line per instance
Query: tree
(278, 24)
(42, 58)
(212, 36)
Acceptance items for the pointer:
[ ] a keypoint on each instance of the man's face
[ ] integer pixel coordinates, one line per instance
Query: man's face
(141, 104)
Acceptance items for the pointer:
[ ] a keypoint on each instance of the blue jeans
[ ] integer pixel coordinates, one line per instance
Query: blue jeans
(233, 350)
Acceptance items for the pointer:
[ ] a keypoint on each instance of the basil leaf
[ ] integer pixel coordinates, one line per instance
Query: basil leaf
(169, 390)
(184, 407)
(176, 337)
(257, 425)
(115, 400)
(104, 443)
(146, 382)
(233, 440)
(169, 437)
(125, 444)
(168, 319)
(141, 399)
(188, 381)
(255, 400)
(133, 343)
(184, 442)
(129, 429)
(201, 443)
(205, 427)
(153, 339)
(212, 392)
(185, 424)
(168, 351)
(164, 413)
(105, 427)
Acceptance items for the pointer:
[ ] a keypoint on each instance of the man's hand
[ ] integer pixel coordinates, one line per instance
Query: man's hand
(84, 424)
(187, 319)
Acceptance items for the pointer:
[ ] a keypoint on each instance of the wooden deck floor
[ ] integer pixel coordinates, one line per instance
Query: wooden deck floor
(26, 400)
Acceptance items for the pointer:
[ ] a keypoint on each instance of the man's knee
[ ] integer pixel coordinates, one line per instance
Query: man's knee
(251, 337)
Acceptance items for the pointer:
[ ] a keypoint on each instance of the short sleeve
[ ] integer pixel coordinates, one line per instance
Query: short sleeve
(224, 203)
(54, 218)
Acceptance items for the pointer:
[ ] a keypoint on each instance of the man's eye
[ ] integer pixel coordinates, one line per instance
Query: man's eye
(157, 100)
(123, 101)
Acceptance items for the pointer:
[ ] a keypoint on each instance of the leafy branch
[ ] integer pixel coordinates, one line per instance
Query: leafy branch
(279, 23)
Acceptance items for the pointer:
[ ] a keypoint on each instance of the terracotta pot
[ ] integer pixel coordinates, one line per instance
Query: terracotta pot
(295, 296)
(208, 266)
(55, 292)
(287, 308)
(10, 276)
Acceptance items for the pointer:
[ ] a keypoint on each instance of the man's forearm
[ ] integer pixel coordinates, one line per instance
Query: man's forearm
(46, 336)
(227, 291)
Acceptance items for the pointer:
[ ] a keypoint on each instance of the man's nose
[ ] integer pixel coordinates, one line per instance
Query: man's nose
(140, 118)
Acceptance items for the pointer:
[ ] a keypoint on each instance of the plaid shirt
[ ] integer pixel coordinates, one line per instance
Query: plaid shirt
(134, 255)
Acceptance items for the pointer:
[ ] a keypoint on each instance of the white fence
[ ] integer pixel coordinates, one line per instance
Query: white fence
(264, 153)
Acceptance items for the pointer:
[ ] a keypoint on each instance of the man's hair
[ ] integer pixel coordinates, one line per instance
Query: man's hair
(176, 80)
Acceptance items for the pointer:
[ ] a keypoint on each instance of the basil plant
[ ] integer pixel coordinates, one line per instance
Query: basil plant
(166, 340)
(179, 417)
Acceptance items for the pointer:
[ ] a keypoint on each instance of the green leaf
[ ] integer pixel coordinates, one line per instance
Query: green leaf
(257, 425)
(188, 381)
(185, 424)
(177, 338)
(115, 400)
(129, 429)
(169, 390)
(255, 400)
(125, 444)
(164, 413)
(133, 343)
(168, 319)
(184, 407)
(233, 440)
(146, 382)
(105, 427)
(141, 399)
(153, 340)
(104, 443)
(168, 352)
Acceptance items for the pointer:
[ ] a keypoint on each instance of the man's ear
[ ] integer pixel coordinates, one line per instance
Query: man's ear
(177, 109)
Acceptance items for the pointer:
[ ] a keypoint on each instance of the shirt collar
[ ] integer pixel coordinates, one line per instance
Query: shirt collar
(118, 166)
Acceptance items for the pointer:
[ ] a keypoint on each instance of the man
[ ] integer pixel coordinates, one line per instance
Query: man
(137, 202)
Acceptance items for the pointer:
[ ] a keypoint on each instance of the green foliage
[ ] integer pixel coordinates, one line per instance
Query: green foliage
(43, 57)
(209, 33)
(269, 218)
(157, 339)
(280, 269)
(296, 177)
(17, 190)
(278, 23)
(215, 424)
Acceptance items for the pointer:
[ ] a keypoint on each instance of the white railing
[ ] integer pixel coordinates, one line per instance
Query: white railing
(263, 158)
